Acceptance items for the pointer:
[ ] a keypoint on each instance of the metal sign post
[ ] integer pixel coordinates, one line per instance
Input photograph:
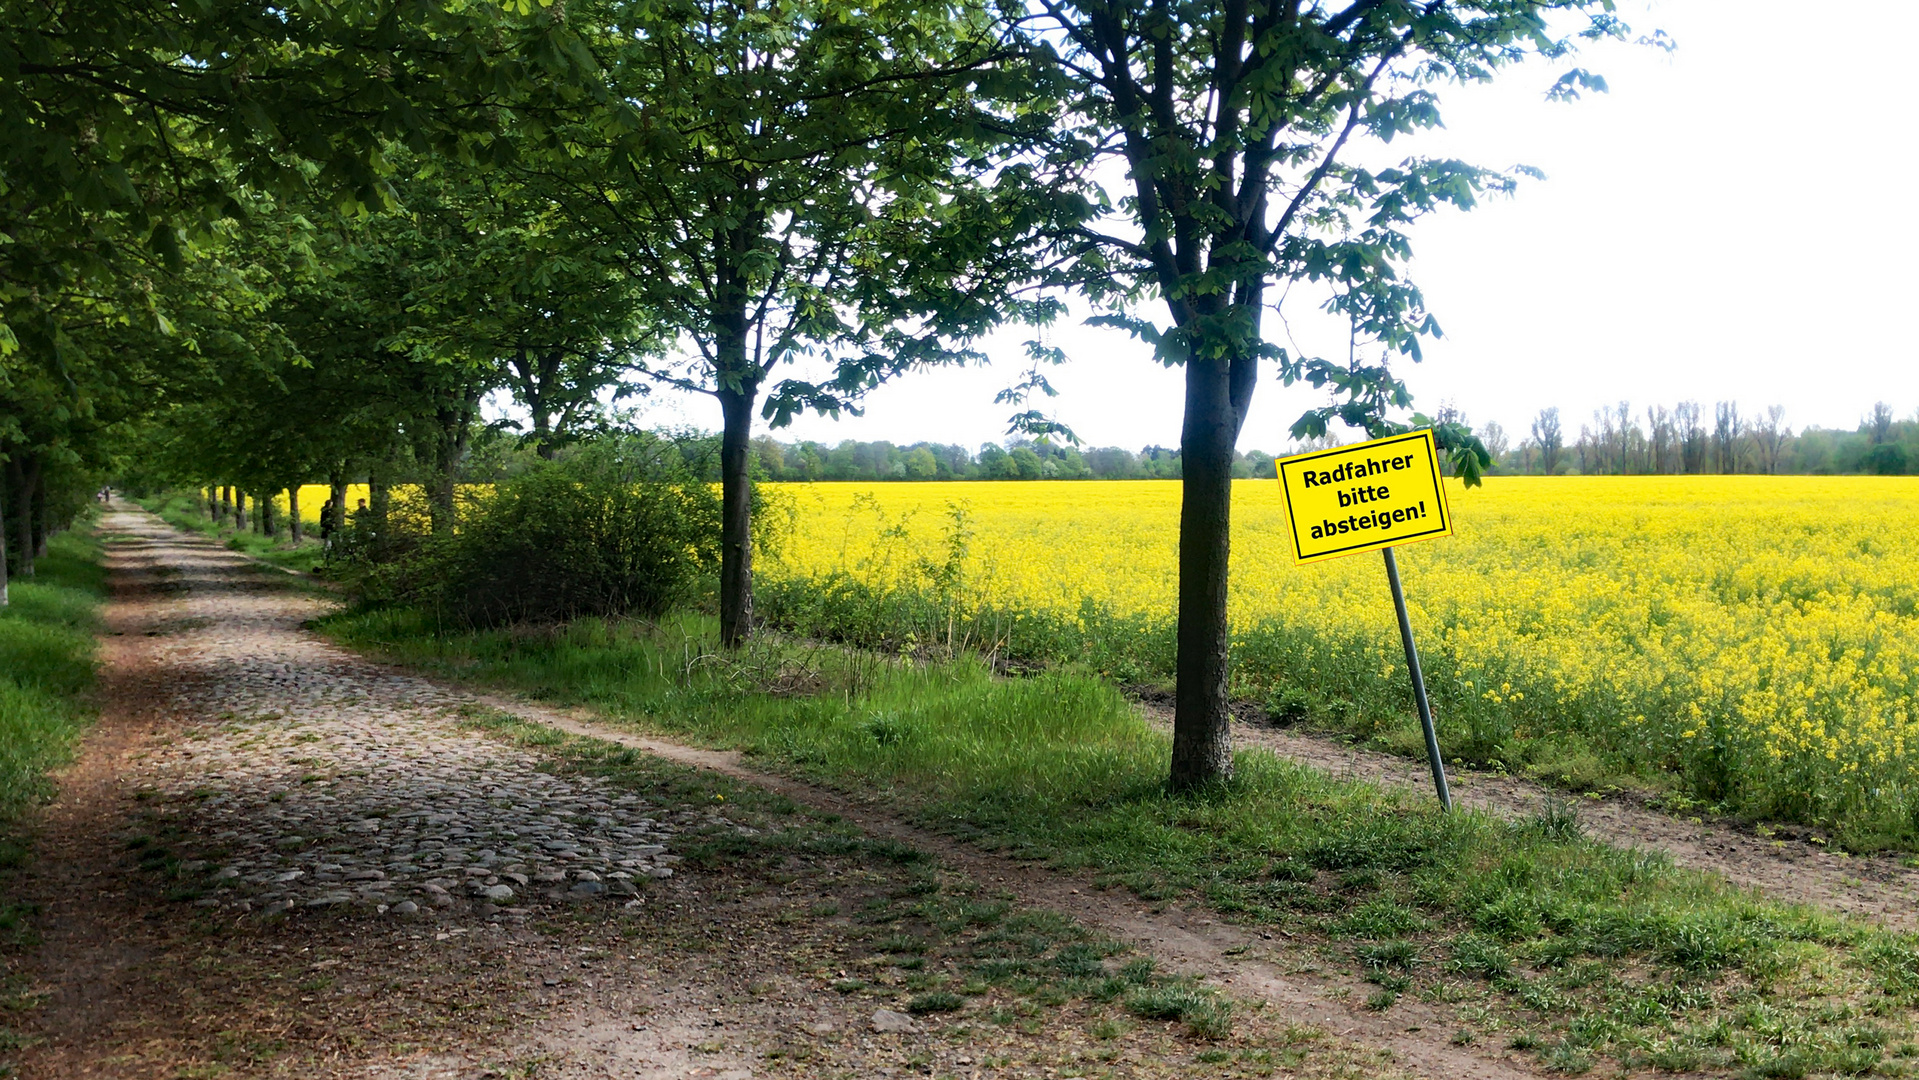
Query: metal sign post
(1373, 495)
(1419, 682)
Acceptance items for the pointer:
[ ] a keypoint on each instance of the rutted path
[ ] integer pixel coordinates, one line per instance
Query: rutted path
(317, 783)
(348, 882)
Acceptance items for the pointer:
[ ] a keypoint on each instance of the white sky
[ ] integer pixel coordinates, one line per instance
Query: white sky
(1733, 221)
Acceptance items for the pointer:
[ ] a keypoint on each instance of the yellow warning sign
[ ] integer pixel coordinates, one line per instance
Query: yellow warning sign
(1366, 496)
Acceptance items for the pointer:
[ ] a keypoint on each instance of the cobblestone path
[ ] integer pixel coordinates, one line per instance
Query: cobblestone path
(325, 780)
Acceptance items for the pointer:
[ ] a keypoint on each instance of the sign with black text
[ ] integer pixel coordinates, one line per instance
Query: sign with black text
(1363, 497)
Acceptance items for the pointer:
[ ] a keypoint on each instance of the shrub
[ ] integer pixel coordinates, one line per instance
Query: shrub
(622, 526)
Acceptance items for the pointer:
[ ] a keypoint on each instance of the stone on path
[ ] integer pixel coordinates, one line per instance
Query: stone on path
(888, 1022)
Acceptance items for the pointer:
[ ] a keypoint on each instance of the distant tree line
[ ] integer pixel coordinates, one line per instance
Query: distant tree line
(1687, 439)
(1658, 440)
(1018, 459)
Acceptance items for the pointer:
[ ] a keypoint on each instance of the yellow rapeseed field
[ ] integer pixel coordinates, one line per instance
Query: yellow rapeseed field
(313, 496)
(1757, 635)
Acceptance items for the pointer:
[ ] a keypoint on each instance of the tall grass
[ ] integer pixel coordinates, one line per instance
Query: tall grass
(46, 667)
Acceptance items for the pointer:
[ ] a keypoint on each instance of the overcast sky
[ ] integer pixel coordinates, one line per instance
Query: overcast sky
(1733, 221)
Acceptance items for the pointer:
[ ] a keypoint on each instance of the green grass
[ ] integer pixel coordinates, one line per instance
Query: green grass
(186, 512)
(46, 666)
(1594, 949)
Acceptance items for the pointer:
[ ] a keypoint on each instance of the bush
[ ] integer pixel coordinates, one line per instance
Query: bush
(622, 526)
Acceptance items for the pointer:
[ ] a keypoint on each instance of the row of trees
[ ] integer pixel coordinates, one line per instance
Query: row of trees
(252, 244)
(1685, 439)
(1618, 441)
(1015, 459)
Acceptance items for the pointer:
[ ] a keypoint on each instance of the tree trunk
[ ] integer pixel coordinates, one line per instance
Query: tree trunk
(335, 525)
(1202, 735)
(542, 427)
(226, 503)
(441, 509)
(269, 524)
(3, 543)
(543, 437)
(736, 516)
(32, 499)
(294, 528)
(239, 510)
(537, 375)
(456, 430)
(22, 477)
(212, 502)
(39, 527)
(380, 505)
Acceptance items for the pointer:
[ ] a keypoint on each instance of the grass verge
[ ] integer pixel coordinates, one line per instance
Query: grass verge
(46, 665)
(935, 944)
(184, 512)
(1531, 935)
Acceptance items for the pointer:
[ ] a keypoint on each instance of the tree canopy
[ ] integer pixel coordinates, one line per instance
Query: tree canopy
(255, 245)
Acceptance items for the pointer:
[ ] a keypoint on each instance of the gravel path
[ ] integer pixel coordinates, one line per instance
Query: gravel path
(345, 783)
(253, 799)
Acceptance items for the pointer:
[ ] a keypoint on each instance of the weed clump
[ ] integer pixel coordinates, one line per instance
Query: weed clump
(938, 1001)
(1205, 1014)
